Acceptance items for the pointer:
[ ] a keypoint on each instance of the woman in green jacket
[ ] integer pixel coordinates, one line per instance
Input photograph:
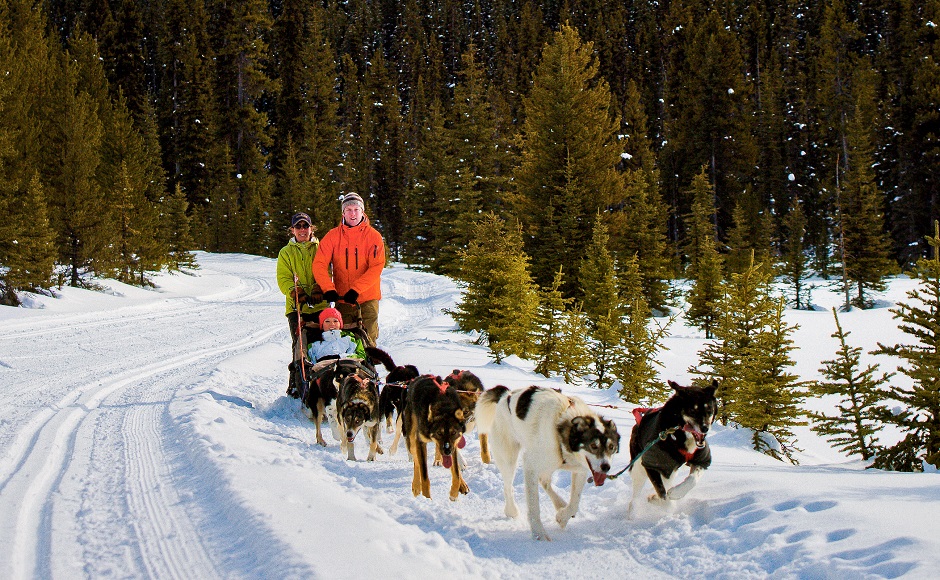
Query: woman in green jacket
(295, 279)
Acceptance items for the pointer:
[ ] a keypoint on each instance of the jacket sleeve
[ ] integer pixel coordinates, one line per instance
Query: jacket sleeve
(285, 279)
(375, 258)
(321, 262)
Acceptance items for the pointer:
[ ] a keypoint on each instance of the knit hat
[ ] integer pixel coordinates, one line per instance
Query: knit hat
(330, 313)
(300, 217)
(351, 198)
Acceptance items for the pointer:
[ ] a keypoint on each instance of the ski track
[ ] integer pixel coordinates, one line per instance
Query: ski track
(126, 397)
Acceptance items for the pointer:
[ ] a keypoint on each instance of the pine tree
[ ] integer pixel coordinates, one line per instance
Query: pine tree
(749, 359)
(636, 371)
(861, 217)
(500, 301)
(603, 308)
(178, 235)
(27, 249)
(706, 290)
(749, 235)
(919, 420)
(560, 340)
(569, 155)
(860, 394)
(795, 266)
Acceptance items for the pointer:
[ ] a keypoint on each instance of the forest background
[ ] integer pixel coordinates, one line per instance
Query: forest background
(566, 161)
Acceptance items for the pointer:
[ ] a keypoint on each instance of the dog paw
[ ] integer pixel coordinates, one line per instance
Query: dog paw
(511, 511)
(541, 536)
(562, 517)
(677, 493)
(321, 442)
(655, 499)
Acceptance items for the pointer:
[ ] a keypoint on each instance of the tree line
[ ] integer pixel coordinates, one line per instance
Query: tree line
(715, 141)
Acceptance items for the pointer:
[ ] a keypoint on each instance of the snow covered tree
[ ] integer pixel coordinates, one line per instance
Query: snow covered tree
(860, 394)
(919, 417)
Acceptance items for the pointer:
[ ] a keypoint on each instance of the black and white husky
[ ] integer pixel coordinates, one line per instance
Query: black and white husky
(689, 413)
(553, 431)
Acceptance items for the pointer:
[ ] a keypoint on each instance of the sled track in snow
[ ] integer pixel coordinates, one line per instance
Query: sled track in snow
(40, 456)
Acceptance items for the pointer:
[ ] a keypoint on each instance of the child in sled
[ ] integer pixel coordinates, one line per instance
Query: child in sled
(335, 343)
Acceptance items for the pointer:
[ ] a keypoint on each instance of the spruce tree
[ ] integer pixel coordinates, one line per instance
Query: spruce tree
(795, 265)
(854, 429)
(919, 419)
(27, 249)
(569, 155)
(178, 231)
(499, 301)
(706, 290)
(861, 217)
(560, 341)
(636, 371)
(748, 355)
(603, 308)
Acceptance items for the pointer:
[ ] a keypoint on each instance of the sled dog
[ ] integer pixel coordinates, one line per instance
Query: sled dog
(689, 412)
(552, 431)
(392, 395)
(469, 388)
(357, 407)
(433, 414)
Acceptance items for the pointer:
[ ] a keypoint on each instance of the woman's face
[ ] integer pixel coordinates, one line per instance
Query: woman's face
(331, 323)
(302, 232)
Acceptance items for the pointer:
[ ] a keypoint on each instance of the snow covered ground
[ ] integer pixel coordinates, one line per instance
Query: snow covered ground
(146, 433)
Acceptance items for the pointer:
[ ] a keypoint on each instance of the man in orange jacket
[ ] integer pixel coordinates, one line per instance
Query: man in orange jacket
(356, 252)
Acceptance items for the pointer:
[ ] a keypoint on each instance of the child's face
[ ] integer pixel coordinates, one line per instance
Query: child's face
(331, 323)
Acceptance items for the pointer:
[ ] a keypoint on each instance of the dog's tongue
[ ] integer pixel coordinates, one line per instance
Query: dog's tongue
(599, 477)
(461, 443)
(447, 460)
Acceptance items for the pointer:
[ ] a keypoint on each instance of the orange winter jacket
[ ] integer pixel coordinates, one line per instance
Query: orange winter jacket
(357, 255)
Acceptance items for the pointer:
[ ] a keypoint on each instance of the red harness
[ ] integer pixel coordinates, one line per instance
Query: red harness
(640, 412)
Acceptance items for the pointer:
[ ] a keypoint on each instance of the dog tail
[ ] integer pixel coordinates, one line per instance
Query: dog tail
(485, 411)
(379, 355)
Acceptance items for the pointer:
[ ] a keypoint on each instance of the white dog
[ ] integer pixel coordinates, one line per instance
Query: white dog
(553, 431)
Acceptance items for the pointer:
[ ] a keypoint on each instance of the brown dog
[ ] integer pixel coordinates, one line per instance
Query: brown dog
(433, 414)
(469, 388)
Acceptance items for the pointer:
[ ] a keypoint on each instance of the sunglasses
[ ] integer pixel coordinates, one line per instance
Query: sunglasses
(301, 226)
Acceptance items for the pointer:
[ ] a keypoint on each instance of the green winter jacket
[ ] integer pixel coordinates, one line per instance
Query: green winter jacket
(296, 258)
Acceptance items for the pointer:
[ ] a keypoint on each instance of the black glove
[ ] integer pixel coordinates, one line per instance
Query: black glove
(351, 297)
(315, 297)
(331, 296)
(299, 294)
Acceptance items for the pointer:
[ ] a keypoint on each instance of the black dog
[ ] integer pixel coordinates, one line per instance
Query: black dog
(688, 414)
(469, 388)
(433, 414)
(323, 387)
(392, 396)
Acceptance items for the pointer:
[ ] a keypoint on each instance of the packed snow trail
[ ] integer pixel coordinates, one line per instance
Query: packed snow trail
(146, 434)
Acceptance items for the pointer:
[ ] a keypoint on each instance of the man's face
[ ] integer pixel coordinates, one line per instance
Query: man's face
(352, 214)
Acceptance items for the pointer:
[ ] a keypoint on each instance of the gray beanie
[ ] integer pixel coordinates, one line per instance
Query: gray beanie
(351, 198)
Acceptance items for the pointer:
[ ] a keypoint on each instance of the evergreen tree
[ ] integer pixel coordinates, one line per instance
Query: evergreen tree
(769, 403)
(569, 155)
(178, 234)
(919, 419)
(749, 235)
(866, 248)
(636, 371)
(500, 301)
(795, 266)
(860, 394)
(27, 249)
(603, 308)
(706, 291)
(560, 342)
(746, 310)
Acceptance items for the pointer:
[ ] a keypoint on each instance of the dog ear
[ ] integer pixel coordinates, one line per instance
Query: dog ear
(430, 415)
(581, 423)
(710, 389)
(675, 386)
(459, 414)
